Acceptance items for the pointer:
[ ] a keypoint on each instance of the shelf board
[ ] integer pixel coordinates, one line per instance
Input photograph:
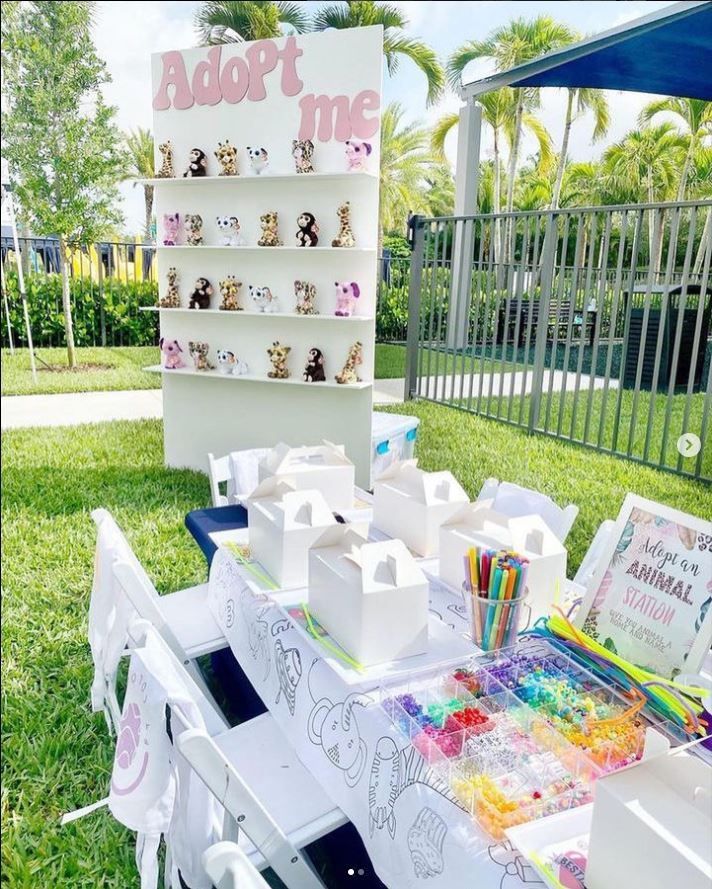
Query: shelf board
(255, 249)
(264, 177)
(245, 314)
(251, 378)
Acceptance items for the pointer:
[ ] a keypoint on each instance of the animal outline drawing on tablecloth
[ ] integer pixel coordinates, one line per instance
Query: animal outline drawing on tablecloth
(333, 727)
(425, 844)
(288, 664)
(517, 870)
(253, 612)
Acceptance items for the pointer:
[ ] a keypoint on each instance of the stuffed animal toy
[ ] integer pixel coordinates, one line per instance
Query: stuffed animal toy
(278, 356)
(227, 158)
(357, 154)
(345, 238)
(258, 158)
(306, 294)
(348, 373)
(229, 228)
(199, 354)
(314, 371)
(171, 299)
(229, 288)
(193, 229)
(308, 230)
(347, 292)
(197, 165)
(200, 297)
(167, 171)
(229, 364)
(171, 350)
(263, 299)
(302, 151)
(270, 230)
(171, 227)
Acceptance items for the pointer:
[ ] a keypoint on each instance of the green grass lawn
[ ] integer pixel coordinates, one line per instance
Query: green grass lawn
(56, 755)
(100, 370)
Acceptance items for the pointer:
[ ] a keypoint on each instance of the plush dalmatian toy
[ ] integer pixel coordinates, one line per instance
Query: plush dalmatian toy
(229, 229)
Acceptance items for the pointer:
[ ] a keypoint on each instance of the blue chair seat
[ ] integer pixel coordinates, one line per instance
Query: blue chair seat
(201, 523)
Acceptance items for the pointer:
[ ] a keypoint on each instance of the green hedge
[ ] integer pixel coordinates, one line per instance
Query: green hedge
(123, 323)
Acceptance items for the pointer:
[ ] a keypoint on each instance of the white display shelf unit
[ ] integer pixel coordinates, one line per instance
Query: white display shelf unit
(252, 378)
(262, 315)
(263, 177)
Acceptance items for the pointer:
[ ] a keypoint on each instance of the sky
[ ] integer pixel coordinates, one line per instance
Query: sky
(126, 34)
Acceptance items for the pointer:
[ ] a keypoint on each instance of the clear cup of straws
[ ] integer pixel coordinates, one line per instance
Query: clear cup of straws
(495, 623)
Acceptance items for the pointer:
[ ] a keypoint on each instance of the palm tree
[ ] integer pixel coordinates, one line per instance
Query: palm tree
(249, 20)
(696, 115)
(645, 163)
(440, 189)
(499, 111)
(405, 164)
(139, 143)
(396, 45)
(511, 45)
(578, 102)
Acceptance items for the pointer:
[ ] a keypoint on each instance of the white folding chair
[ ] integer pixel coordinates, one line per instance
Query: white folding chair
(275, 806)
(229, 868)
(514, 501)
(219, 472)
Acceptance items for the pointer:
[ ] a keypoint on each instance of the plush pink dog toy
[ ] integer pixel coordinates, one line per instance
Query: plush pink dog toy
(171, 354)
(171, 227)
(357, 154)
(347, 292)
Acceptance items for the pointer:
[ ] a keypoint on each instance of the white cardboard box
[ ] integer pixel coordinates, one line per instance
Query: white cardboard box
(283, 523)
(411, 504)
(372, 598)
(478, 525)
(323, 467)
(652, 826)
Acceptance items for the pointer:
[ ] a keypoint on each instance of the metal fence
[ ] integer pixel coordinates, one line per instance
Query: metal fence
(590, 325)
(109, 283)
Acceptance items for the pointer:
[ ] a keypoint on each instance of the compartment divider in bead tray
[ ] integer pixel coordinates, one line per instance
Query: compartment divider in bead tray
(520, 733)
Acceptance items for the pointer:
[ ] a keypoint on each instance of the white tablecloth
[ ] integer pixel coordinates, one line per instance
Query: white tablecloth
(415, 833)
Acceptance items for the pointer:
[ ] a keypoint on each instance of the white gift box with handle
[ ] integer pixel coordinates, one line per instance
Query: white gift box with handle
(282, 524)
(652, 826)
(324, 468)
(372, 598)
(412, 504)
(479, 525)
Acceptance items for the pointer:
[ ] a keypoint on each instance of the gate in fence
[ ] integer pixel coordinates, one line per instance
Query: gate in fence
(591, 325)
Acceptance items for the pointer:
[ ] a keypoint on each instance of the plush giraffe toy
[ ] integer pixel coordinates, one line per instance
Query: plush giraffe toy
(345, 238)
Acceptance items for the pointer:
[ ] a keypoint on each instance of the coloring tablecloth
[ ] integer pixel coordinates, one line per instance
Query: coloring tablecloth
(414, 831)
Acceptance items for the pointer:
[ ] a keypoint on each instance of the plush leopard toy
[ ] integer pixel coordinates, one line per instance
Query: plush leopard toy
(167, 171)
(227, 158)
(302, 152)
(278, 356)
(229, 291)
(199, 353)
(193, 229)
(345, 238)
(306, 294)
(171, 299)
(348, 373)
(270, 230)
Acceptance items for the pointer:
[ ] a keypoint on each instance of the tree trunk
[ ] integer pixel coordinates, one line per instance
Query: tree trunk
(682, 187)
(706, 233)
(497, 196)
(556, 196)
(67, 304)
(511, 176)
(148, 202)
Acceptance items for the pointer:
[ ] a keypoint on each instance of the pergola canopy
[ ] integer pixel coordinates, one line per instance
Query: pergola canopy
(668, 52)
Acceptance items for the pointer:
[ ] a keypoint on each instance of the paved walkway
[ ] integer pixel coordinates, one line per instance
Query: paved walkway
(97, 407)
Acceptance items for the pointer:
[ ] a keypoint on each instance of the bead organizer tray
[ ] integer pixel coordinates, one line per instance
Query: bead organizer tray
(518, 734)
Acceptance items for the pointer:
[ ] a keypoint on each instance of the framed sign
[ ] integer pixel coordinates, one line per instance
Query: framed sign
(650, 599)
